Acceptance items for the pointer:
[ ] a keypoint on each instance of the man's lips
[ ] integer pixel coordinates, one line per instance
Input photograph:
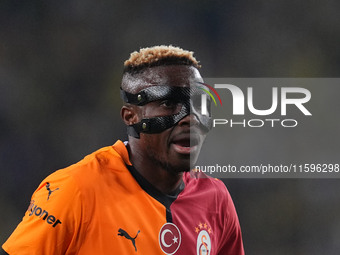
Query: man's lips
(185, 144)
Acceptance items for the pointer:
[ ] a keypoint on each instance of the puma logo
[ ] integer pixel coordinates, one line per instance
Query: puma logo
(49, 190)
(122, 232)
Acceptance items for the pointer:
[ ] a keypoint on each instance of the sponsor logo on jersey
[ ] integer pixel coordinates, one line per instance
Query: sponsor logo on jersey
(122, 232)
(169, 238)
(35, 210)
(49, 190)
(203, 242)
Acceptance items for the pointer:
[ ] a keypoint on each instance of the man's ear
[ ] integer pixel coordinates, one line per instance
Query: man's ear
(129, 114)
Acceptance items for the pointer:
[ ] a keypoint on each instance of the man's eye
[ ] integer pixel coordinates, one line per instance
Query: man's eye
(168, 103)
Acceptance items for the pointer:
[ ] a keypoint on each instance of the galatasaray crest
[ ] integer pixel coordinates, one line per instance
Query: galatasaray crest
(203, 239)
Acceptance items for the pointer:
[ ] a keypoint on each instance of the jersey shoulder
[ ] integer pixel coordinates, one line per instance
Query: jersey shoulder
(205, 183)
(106, 160)
(88, 174)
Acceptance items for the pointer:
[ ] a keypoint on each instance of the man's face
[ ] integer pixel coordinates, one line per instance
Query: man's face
(175, 149)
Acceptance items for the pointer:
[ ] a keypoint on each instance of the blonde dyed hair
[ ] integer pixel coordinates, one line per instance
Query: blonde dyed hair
(157, 56)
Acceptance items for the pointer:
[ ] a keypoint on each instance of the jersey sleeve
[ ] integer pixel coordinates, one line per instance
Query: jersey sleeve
(231, 241)
(52, 220)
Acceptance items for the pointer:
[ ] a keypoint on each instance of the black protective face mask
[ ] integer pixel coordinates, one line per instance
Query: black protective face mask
(182, 102)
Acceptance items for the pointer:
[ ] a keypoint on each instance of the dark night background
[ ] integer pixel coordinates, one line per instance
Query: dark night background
(60, 69)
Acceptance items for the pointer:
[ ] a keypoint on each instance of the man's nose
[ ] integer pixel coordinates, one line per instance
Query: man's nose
(189, 120)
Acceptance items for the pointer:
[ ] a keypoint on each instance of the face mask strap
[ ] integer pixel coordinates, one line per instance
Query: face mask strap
(155, 93)
(136, 99)
(155, 125)
(159, 124)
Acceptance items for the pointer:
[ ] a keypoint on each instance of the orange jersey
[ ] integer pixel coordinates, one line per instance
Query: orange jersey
(101, 205)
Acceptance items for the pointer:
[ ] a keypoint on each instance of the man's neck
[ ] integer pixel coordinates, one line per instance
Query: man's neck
(162, 179)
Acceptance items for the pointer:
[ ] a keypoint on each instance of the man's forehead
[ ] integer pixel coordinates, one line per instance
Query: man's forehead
(173, 75)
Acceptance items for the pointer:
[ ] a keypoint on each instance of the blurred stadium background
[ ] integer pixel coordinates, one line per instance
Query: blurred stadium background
(60, 71)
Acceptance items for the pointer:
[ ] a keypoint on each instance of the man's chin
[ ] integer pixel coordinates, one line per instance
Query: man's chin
(183, 166)
(176, 162)
(183, 163)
